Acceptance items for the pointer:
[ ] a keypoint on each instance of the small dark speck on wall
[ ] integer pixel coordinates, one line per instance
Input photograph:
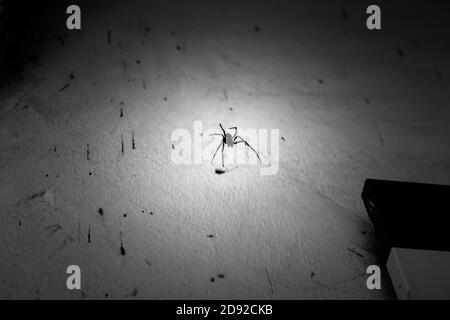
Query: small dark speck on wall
(64, 87)
(122, 249)
(400, 52)
(122, 149)
(345, 15)
(100, 211)
(257, 28)
(132, 294)
(61, 41)
(220, 276)
(36, 195)
(353, 250)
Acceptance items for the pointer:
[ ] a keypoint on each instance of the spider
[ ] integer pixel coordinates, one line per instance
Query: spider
(230, 141)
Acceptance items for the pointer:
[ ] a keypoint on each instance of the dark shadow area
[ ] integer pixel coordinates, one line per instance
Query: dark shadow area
(24, 26)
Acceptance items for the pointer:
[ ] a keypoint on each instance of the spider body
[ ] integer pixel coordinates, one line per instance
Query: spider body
(230, 141)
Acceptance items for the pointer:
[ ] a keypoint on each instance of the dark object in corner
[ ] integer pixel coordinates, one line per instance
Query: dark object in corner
(408, 215)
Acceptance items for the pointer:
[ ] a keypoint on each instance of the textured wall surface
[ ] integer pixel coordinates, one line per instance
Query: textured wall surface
(349, 104)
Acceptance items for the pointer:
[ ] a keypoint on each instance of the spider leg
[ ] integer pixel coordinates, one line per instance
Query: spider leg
(216, 134)
(248, 145)
(222, 129)
(235, 134)
(221, 144)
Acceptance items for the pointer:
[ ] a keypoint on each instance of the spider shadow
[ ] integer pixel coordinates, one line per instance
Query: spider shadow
(223, 170)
